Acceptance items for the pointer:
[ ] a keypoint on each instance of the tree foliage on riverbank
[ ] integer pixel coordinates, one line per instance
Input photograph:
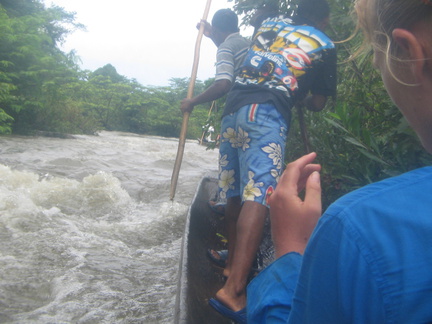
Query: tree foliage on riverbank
(43, 89)
(360, 137)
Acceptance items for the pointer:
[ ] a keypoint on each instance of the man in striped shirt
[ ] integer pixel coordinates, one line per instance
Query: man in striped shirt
(232, 48)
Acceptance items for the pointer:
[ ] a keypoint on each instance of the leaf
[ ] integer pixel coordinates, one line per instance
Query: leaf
(355, 142)
(334, 115)
(336, 124)
(373, 157)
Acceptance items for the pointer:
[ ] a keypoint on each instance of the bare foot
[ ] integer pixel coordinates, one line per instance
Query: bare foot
(235, 303)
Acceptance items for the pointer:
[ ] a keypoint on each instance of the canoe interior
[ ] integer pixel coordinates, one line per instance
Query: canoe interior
(199, 279)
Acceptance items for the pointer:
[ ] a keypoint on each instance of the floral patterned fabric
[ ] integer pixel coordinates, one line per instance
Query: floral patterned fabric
(251, 152)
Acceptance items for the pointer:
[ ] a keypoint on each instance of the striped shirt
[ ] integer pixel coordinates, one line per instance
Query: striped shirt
(230, 56)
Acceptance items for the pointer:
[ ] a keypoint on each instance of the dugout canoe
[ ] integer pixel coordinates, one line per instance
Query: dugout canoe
(199, 279)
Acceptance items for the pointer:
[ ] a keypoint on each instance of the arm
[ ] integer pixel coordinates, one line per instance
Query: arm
(270, 294)
(333, 281)
(208, 30)
(337, 282)
(224, 78)
(324, 85)
(217, 90)
(293, 219)
(315, 102)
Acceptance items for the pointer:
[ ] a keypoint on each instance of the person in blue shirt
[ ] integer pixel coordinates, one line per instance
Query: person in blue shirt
(368, 259)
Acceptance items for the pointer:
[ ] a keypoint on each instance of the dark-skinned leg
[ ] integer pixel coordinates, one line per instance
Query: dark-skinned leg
(232, 211)
(250, 227)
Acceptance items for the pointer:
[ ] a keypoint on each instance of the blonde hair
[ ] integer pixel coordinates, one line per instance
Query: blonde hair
(378, 18)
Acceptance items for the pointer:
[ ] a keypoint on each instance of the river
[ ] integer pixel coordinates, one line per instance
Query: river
(87, 231)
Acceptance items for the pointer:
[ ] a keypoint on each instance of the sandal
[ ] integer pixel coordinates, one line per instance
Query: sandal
(220, 259)
(217, 207)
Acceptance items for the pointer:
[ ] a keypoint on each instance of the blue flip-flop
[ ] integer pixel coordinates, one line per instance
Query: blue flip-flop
(238, 317)
(221, 261)
(223, 257)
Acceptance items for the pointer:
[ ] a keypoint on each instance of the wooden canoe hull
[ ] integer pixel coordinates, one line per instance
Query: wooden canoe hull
(199, 279)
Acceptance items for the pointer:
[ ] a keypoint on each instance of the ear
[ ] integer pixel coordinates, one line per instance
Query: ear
(413, 49)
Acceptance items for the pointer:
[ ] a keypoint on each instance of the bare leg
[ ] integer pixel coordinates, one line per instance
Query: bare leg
(250, 226)
(232, 211)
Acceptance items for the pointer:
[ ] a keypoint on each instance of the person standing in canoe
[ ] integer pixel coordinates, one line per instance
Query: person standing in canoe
(268, 10)
(232, 49)
(291, 60)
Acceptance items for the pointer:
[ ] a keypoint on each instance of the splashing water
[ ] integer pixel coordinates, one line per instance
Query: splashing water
(87, 231)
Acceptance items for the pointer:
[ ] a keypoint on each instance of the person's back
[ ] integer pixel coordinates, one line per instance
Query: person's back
(375, 251)
(232, 51)
(232, 47)
(287, 59)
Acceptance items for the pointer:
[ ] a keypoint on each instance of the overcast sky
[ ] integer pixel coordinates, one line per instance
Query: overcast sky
(147, 40)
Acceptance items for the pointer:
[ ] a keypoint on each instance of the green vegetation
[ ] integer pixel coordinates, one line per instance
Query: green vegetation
(43, 89)
(360, 137)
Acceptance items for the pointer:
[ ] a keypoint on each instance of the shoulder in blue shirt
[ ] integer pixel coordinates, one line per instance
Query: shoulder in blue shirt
(368, 260)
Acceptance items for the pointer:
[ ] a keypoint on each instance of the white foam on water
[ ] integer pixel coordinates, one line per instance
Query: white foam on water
(87, 232)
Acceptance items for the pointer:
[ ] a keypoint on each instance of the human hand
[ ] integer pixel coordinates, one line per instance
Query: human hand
(292, 219)
(186, 105)
(207, 28)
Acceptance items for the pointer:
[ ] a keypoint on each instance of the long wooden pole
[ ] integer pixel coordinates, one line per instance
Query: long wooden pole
(182, 138)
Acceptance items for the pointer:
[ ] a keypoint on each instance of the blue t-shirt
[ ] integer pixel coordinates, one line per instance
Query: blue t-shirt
(369, 260)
